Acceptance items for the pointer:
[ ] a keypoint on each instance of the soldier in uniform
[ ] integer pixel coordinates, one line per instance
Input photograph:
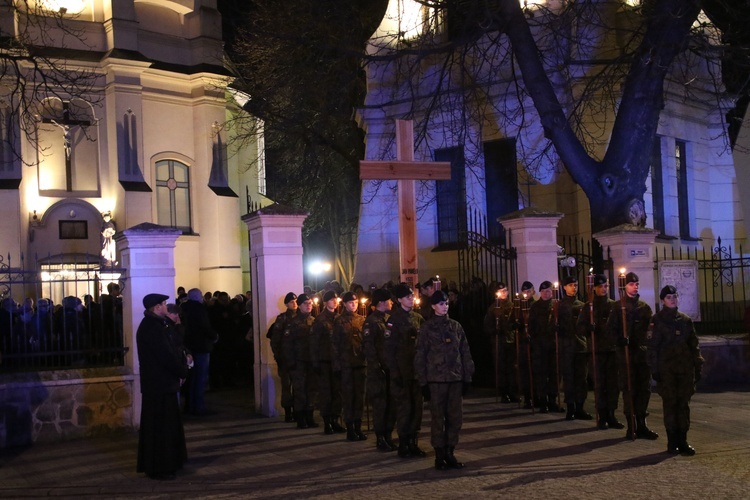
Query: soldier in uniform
(543, 363)
(378, 374)
(329, 380)
(676, 364)
(607, 388)
(444, 368)
(349, 359)
(400, 342)
(500, 326)
(425, 307)
(573, 352)
(527, 288)
(296, 346)
(637, 318)
(278, 332)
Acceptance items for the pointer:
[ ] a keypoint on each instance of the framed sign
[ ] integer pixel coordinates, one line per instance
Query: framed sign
(683, 275)
(74, 230)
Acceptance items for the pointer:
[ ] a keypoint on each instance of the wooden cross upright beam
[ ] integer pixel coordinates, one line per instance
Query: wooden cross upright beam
(406, 171)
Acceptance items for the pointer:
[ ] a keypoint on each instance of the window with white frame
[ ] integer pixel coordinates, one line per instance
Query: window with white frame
(173, 195)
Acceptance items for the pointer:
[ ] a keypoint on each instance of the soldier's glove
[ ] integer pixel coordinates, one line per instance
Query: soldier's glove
(698, 375)
(656, 377)
(426, 392)
(623, 341)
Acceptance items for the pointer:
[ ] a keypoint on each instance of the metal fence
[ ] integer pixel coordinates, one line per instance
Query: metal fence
(723, 278)
(63, 311)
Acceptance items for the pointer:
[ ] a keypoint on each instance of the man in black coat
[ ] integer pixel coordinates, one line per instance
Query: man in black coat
(161, 439)
(200, 338)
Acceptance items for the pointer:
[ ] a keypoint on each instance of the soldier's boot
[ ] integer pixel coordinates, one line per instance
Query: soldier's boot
(451, 460)
(327, 429)
(612, 421)
(672, 442)
(389, 441)
(630, 432)
(527, 405)
(581, 413)
(440, 459)
(361, 436)
(642, 430)
(601, 419)
(570, 414)
(541, 403)
(553, 406)
(310, 419)
(403, 446)
(380, 443)
(685, 448)
(414, 448)
(301, 420)
(336, 426)
(288, 414)
(351, 434)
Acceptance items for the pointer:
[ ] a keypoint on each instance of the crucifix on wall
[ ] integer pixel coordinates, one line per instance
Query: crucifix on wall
(405, 170)
(65, 125)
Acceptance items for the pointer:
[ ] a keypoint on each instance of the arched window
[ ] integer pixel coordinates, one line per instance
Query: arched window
(173, 195)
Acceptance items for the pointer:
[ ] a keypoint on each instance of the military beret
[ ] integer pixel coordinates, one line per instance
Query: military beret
(289, 297)
(631, 277)
(153, 299)
(402, 290)
(380, 295)
(667, 290)
(330, 294)
(430, 282)
(600, 279)
(303, 297)
(527, 285)
(438, 297)
(348, 296)
(501, 286)
(545, 285)
(569, 280)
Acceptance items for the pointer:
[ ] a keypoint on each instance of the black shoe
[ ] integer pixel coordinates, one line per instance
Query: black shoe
(403, 447)
(327, 429)
(612, 421)
(672, 445)
(310, 419)
(389, 441)
(555, 408)
(505, 398)
(440, 459)
(601, 419)
(301, 421)
(381, 444)
(515, 399)
(527, 405)
(685, 448)
(351, 435)
(288, 414)
(642, 430)
(414, 448)
(336, 426)
(450, 459)
(570, 413)
(582, 414)
(361, 436)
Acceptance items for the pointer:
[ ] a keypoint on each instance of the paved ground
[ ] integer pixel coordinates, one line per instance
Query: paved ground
(507, 451)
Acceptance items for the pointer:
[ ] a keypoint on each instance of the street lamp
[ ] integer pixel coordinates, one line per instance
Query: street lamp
(316, 268)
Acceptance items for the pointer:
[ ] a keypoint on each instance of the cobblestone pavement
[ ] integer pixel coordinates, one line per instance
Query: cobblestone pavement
(507, 451)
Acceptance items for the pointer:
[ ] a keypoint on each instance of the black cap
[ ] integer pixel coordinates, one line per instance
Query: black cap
(569, 279)
(430, 282)
(501, 285)
(527, 285)
(330, 294)
(380, 295)
(631, 277)
(600, 279)
(545, 285)
(438, 297)
(348, 297)
(402, 290)
(667, 290)
(303, 297)
(289, 297)
(153, 299)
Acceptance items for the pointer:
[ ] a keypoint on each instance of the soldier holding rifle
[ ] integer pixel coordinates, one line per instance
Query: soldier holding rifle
(544, 365)
(573, 352)
(499, 325)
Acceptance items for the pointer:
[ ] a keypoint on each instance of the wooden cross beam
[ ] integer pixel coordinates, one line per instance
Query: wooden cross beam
(406, 171)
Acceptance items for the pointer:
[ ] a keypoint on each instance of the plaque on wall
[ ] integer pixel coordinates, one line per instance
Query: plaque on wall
(683, 275)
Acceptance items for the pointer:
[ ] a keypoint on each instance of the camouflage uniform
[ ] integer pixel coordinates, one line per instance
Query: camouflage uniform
(608, 391)
(500, 327)
(443, 362)
(543, 363)
(400, 342)
(329, 380)
(349, 359)
(573, 357)
(676, 362)
(378, 375)
(280, 332)
(296, 347)
(638, 317)
(524, 348)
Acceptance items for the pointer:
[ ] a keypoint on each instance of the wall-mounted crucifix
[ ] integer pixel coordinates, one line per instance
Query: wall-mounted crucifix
(406, 171)
(65, 125)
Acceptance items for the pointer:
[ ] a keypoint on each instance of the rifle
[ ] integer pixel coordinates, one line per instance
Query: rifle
(497, 348)
(555, 312)
(517, 317)
(623, 298)
(525, 313)
(590, 292)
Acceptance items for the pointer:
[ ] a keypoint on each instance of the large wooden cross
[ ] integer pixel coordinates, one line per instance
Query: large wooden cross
(406, 171)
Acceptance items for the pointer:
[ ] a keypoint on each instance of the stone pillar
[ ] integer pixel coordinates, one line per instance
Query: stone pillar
(632, 248)
(275, 269)
(533, 233)
(147, 255)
